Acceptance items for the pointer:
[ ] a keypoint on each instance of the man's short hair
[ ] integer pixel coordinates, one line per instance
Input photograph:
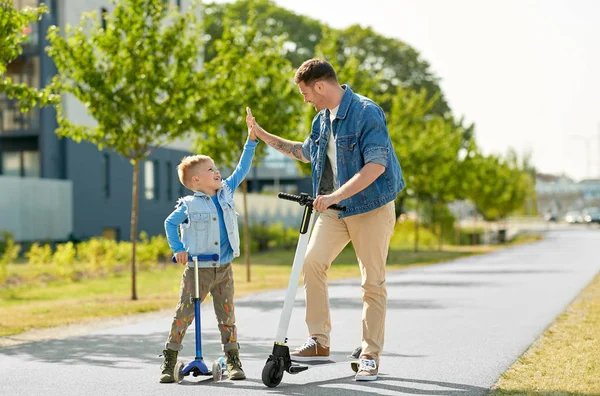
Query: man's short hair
(315, 70)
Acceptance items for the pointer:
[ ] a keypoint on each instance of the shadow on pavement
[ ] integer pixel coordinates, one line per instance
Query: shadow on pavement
(343, 303)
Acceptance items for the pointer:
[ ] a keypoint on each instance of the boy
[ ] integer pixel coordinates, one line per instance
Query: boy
(208, 224)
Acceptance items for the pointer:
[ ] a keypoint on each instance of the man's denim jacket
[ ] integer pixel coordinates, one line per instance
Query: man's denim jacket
(361, 136)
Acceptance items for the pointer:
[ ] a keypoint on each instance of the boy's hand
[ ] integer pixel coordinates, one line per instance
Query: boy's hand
(181, 257)
(251, 123)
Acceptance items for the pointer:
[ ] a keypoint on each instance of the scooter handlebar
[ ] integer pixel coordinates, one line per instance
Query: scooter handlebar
(306, 200)
(200, 257)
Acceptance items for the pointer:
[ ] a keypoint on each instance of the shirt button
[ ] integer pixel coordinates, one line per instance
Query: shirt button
(208, 199)
(214, 264)
(214, 219)
(216, 243)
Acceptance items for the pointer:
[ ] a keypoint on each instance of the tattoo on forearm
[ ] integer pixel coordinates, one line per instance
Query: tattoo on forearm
(288, 148)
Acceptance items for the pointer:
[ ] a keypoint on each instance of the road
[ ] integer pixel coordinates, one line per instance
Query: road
(452, 329)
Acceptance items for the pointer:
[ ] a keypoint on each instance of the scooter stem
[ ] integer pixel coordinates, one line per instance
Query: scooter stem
(290, 294)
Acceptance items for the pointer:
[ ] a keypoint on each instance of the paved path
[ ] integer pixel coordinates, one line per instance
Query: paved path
(452, 329)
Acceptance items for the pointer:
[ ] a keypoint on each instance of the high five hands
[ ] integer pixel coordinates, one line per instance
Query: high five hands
(251, 123)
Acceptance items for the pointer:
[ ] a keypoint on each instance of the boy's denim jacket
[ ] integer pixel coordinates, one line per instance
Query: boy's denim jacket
(198, 219)
(361, 137)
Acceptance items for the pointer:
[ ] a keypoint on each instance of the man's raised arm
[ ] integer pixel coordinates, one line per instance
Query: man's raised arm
(284, 146)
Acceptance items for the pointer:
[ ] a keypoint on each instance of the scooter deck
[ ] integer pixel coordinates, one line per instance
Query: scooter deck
(196, 367)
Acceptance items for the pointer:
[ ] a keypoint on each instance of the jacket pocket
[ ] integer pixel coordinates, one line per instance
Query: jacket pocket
(347, 143)
(200, 221)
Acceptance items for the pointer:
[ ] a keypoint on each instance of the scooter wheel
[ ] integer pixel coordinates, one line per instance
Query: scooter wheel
(177, 371)
(217, 373)
(272, 374)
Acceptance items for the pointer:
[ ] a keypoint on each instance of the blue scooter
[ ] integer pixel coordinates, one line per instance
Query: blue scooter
(197, 367)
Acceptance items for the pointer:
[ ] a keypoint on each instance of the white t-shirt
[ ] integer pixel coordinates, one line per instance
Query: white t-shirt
(331, 151)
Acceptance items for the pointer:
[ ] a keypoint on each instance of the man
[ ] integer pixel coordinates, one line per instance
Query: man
(353, 164)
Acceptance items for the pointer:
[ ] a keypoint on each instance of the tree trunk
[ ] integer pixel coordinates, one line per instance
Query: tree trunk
(441, 235)
(246, 230)
(134, 219)
(417, 226)
(440, 242)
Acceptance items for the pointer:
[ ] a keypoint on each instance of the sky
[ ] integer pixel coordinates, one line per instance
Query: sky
(526, 72)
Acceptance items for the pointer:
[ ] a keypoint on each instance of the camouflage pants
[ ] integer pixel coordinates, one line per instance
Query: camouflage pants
(217, 281)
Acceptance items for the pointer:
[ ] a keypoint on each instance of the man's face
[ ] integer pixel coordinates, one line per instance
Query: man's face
(311, 94)
(207, 175)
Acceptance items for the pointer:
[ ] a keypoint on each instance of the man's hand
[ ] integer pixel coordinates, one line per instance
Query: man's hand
(322, 202)
(181, 257)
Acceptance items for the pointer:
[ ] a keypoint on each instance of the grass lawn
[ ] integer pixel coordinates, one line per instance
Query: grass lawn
(565, 360)
(59, 303)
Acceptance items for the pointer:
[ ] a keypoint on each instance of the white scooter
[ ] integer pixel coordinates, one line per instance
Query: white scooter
(280, 361)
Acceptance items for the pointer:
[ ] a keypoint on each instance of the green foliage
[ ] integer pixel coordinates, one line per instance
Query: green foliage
(39, 254)
(498, 186)
(303, 33)
(12, 29)
(63, 260)
(248, 69)
(13, 23)
(152, 250)
(404, 236)
(360, 49)
(265, 237)
(9, 254)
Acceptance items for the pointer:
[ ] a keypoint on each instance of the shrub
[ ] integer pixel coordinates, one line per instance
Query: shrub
(39, 254)
(9, 254)
(64, 260)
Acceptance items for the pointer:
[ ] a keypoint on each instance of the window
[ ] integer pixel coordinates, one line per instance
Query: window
(151, 180)
(31, 163)
(21, 163)
(105, 178)
(11, 164)
(26, 70)
(103, 12)
(169, 181)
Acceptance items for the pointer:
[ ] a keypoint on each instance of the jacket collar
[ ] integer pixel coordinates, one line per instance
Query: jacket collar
(345, 103)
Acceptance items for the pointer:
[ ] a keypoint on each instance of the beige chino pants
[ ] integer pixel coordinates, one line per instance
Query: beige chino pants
(370, 234)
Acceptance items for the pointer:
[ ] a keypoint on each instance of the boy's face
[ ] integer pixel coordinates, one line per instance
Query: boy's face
(207, 177)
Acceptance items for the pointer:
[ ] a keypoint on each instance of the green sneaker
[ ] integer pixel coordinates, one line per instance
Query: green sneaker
(234, 365)
(168, 366)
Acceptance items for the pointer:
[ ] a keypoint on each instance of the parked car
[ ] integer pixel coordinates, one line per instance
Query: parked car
(591, 215)
(574, 217)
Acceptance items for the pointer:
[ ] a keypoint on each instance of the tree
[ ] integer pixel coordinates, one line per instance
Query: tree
(400, 65)
(410, 132)
(248, 69)
(498, 186)
(139, 79)
(13, 24)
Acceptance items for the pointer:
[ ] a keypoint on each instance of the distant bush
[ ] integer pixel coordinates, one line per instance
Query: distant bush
(9, 253)
(39, 254)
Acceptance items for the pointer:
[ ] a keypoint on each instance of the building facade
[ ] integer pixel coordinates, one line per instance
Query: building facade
(99, 181)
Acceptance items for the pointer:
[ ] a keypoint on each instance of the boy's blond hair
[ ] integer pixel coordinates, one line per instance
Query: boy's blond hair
(186, 166)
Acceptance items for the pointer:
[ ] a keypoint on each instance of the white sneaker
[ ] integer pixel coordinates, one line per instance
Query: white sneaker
(367, 370)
